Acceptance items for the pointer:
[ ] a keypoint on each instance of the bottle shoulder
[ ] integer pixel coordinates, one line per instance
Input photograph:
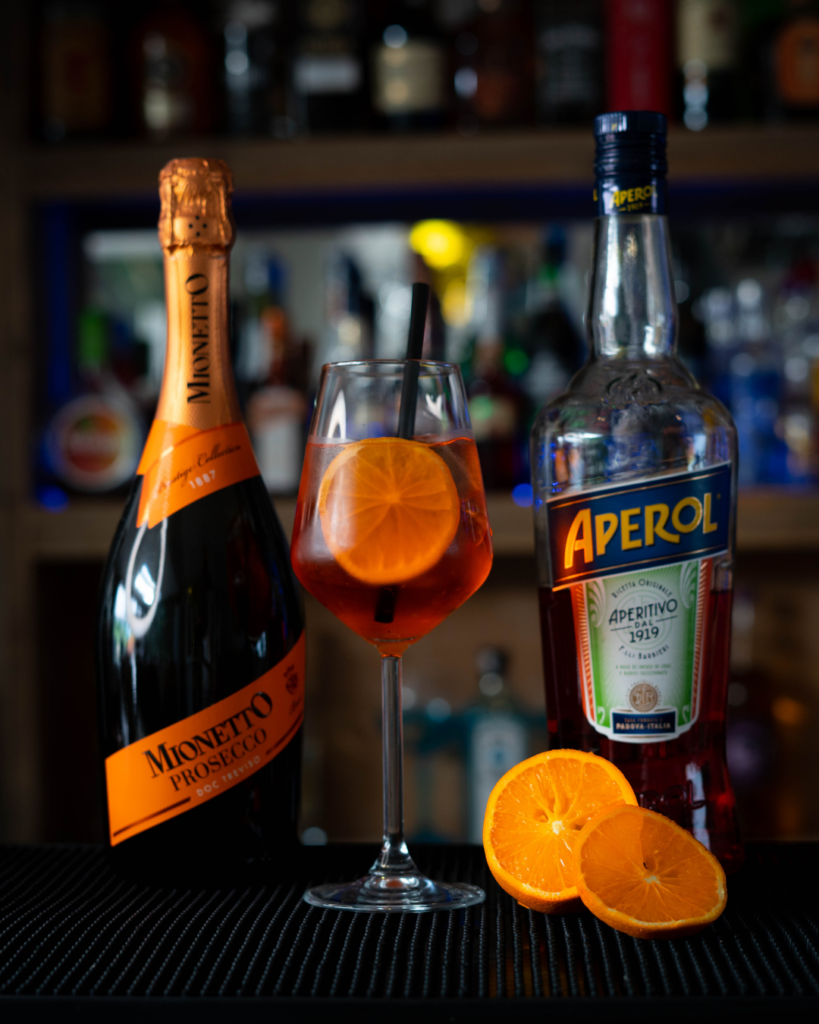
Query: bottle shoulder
(621, 421)
(228, 548)
(244, 504)
(608, 396)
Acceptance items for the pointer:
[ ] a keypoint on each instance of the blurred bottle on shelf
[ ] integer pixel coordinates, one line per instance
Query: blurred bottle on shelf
(256, 69)
(496, 736)
(771, 709)
(506, 305)
(329, 73)
(498, 408)
(782, 59)
(750, 735)
(267, 68)
(493, 82)
(349, 312)
(276, 410)
(456, 20)
(796, 328)
(638, 44)
(459, 753)
(555, 348)
(172, 68)
(433, 739)
(692, 347)
(796, 61)
(408, 57)
(756, 374)
(707, 62)
(746, 372)
(715, 310)
(569, 61)
(76, 77)
(313, 787)
(121, 279)
(440, 257)
(93, 442)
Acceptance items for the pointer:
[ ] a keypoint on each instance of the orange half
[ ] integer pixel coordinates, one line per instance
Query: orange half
(646, 876)
(534, 816)
(389, 509)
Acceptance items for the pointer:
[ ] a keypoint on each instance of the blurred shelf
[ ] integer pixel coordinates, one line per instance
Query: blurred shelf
(767, 520)
(778, 520)
(513, 532)
(497, 160)
(82, 532)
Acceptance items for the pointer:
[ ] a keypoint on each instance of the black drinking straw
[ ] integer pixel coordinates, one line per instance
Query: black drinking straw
(385, 604)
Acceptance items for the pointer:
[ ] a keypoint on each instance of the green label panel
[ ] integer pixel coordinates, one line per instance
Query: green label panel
(640, 640)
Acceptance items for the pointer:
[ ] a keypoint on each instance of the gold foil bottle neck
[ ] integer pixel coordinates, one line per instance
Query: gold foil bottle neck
(195, 195)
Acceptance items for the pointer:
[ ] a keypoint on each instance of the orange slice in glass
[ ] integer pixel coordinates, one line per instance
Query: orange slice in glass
(388, 508)
(533, 818)
(646, 876)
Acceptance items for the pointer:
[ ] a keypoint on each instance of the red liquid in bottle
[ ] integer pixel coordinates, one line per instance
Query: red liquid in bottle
(685, 779)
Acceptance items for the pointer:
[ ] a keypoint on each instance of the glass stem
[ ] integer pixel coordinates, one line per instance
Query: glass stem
(394, 858)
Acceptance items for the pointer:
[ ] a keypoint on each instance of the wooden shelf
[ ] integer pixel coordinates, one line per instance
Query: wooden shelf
(537, 157)
(766, 521)
(778, 520)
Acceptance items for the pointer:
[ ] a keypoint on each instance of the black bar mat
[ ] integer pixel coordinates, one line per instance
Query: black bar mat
(79, 940)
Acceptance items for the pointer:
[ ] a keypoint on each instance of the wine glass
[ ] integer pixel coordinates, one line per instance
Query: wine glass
(391, 535)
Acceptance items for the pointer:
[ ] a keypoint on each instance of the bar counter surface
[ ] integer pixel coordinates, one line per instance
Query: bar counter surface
(78, 943)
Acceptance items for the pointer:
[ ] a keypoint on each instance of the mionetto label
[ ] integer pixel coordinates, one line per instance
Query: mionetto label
(181, 464)
(192, 761)
(639, 642)
(638, 558)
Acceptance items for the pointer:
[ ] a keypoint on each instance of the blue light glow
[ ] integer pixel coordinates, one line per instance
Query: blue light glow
(53, 498)
(522, 495)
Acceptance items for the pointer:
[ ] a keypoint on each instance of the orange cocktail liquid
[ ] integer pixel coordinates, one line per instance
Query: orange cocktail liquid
(417, 604)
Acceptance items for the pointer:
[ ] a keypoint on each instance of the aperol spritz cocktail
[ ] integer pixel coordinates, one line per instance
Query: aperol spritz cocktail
(391, 535)
(385, 533)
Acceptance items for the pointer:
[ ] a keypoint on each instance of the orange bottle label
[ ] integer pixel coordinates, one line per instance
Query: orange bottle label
(182, 464)
(192, 761)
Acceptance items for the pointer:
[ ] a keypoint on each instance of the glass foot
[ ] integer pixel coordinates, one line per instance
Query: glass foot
(381, 892)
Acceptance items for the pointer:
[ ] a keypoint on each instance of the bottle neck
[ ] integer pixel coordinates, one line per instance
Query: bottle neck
(198, 389)
(632, 311)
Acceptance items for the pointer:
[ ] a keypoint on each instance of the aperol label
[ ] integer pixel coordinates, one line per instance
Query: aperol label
(196, 759)
(181, 464)
(638, 560)
(640, 642)
(640, 525)
(630, 193)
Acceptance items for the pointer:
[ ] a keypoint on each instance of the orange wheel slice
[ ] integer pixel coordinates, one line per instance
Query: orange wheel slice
(389, 509)
(646, 876)
(534, 816)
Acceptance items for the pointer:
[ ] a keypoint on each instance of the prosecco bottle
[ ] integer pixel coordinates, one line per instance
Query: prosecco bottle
(200, 641)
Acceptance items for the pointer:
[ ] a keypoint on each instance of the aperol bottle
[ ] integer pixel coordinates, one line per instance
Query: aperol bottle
(634, 474)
